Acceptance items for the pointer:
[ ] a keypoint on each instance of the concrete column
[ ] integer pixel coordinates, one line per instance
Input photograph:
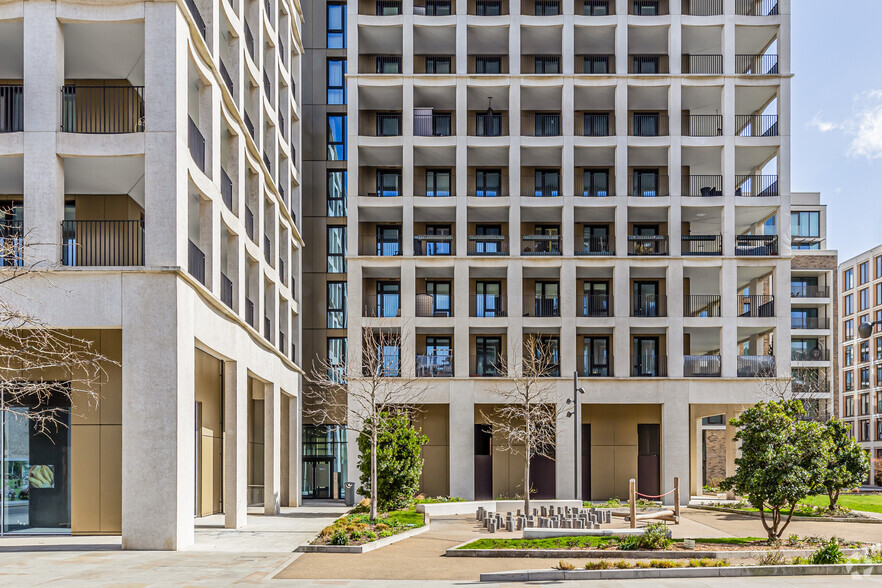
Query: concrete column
(565, 475)
(295, 463)
(158, 414)
(235, 445)
(675, 443)
(568, 304)
(461, 421)
(43, 184)
(272, 448)
(462, 310)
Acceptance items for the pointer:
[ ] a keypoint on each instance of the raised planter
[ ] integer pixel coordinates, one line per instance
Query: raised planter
(795, 517)
(365, 547)
(636, 574)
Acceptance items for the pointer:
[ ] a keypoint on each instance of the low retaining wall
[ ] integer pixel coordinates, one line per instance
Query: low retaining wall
(795, 517)
(544, 533)
(367, 546)
(441, 509)
(636, 574)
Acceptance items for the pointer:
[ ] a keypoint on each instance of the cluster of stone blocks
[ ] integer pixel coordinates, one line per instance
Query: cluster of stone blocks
(545, 518)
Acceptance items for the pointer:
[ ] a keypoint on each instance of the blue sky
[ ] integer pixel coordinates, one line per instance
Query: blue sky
(837, 116)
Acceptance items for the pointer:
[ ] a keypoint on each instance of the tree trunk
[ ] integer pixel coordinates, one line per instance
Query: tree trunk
(373, 471)
(833, 495)
(527, 482)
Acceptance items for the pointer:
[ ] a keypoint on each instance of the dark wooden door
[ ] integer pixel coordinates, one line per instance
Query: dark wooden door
(542, 478)
(483, 462)
(586, 461)
(648, 459)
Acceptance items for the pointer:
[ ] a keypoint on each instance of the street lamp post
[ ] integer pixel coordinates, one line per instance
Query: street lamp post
(576, 422)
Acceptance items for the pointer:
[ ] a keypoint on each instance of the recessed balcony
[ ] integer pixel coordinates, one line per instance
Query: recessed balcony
(596, 7)
(540, 64)
(701, 305)
(488, 7)
(648, 184)
(703, 185)
(602, 64)
(756, 245)
(595, 124)
(540, 124)
(595, 305)
(654, 64)
(540, 245)
(435, 365)
(756, 366)
(702, 125)
(433, 245)
(702, 7)
(434, 8)
(488, 245)
(649, 366)
(702, 245)
(756, 7)
(541, 7)
(488, 64)
(647, 245)
(489, 124)
(103, 243)
(702, 366)
(488, 306)
(541, 306)
(756, 65)
(388, 64)
(11, 108)
(756, 305)
(379, 124)
(756, 186)
(649, 305)
(702, 64)
(648, 124)
(101, 109)
(756, 125)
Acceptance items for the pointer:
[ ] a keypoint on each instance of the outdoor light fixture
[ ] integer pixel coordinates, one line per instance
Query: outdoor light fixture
(865, 330)
(575, 402)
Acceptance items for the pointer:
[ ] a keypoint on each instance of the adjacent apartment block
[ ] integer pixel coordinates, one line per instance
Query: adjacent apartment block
(612, 176)
(149, 162)
(860, 393)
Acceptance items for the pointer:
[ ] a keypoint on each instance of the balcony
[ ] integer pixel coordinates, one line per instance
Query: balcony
(380, 8)
(593, 367)
(756, 245)
(489, 245)
(702, 64)
(379, 124)
(702, 185)
(540, 8)
(648, 125)
(595, 125)
(540, 64)
(541, 124)
(197, 18)
(596, 246)
(488, 7)
(488, 64)
(102, 109)
(486, 366)
(597, 7)
(196, 143)
(649, 306)
(434, 65)
(756, 125)
(488, 184)
(702, 125)
(811, 322)
(11, 109)
(701, 245)
(541, 185)
(756, 366)
(595, 306)
(488, 306)
(385, 306)
(701, 305)
(249, 312)
(756, 186)
(227, 190)
(388, 64)
(800, 290)
(541, 306)
(648, 64)
(756, 305)
(11, 243)
(488, 125)
(439, 365)
(440, 184)
(540, 245)
(226, 290)
(702, 366)
(648, 185)
(647, 246)
(703, 7)
(98, 243)
(433, 124)
(649, 366)
(596, 64)
(434, 8)
(433, 245)
(249, 223)
(756, 65)
(756, 7)
(429, 306)
(816, 354)
(196, 262)
(386, 246)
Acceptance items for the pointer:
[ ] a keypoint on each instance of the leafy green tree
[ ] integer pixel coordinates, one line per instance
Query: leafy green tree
(783, 459)
(398, 464)
(848, 465)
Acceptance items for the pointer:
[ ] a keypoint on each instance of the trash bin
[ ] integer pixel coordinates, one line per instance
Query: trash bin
(350, 493)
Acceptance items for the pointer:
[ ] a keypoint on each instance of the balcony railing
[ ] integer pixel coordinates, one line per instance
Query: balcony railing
(541, 306)
(596, 64)
(648, 64)
(810, 322)
(226, 189)
(490, 245)
(756, 245)
(703, 64)
(226, 290)
(701, 245)
(434, 7)
(435, 124)
(197, 18)
(703, 7)
(756, 366)
(596, 246)
(756, 185)
(808, 291)
(249, 42)
(649, 306)
(648, 125)
(428, 307)
(541, 245)
(756, 305)
(388, 64)
(101, 243)
(379, 124)
(249, 223)
(756, 125)
(488, 185)
(649, 366)
(437, 185)
(382, 185)
(249, 312)
(595, 125)
(701, 305)
(816, 354)
(756, 7)
(702, 185)
(433, 245)
(647, 7)
(435, 65)
(11, 243)
(371, 246)
(488, 125)
(486, 366)
(11, 109)
(102, 109)
(488, 7)
(228, 80)
(648, 185)
(387, 7)
(541, 7)
(488, 64)
(595, 367)
(595, 306)
(597, 7)
(702, 125)
(647, 245)
(541, 124)
(439, 365)
(196, 143)
(196, 262)
(702, 366)
(756, 65)
(488, 306)
(541, 186)
(383, 306)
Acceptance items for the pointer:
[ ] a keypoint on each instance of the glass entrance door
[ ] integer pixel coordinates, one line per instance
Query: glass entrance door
(317, 478)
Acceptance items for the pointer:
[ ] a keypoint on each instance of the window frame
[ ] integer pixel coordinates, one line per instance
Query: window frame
(342, 87)
(336, 200)
(333, 31)
(342, 309)
(338, 145)
(335, 257)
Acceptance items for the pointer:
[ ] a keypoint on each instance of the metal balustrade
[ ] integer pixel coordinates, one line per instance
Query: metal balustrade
(11, 109)
(756, 125)
(541, 306)
(648, 185)
(249, 312)
(383, 306)
(649, 366)
(756, 305)
(267, 249)
(98, 242)
(489, 245)
(702, 64)
(540, 245)
(756, 186)
(815, 354)
(757, 65)
(810, 323)
(648, 125)
(598, 7)
(701, 245)
(649, 64)
(249, 42)
(488, 125)
(595, 125)
(435, 124)
(249, 223)
(596, 64)
(756, 245)
(702, 366)
(436, 365)
(433, 245)
(702, 7)
(434, 8)
(379, 124)
(11, 243)
(196, 143)
(702, 185)
(702, 125)
(647, 245)
(756, 366)
(488, 7)
(701, 305)
(228, 80)
(435, 185)
(488, 306)
(541, 8)
(800, 290)
(226, 189)
(595, 305)
(196, 262)
(596, 246)
(540, 64)
(486, 365)
(102, 109)
(379, 64)
(649, 305)
(756, 7)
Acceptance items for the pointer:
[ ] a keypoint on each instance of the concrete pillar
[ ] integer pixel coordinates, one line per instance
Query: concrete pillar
(272, 448)
(235, 445)
(461, 421)
(675, 442)
(158, 414)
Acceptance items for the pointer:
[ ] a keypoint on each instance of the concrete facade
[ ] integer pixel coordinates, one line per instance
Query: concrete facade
(158, 178)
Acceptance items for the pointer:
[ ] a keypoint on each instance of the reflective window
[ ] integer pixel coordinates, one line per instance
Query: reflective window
(336, 193)
(337, 81)
(336, 250)
(336, 26)
(336, 137)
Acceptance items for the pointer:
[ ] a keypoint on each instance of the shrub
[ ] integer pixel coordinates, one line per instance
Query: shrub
(655, 536)
(622, 564)
(399, 464)
(564, 565)
(370, 536)
(598, 565)
(793, 540)
(642, 564)
(828, 553)
(665, 563)
(339, 538)
(771, 558)
(629, 543)
(613, 503)
(384, 534)
(706, 562)
(355, 535)
(382, 527)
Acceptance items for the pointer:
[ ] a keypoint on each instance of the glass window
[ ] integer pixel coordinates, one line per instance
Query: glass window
(389, 182)
(849, 406)
(864, 299)
(878, 348)
(337, 81)
(336, 26)
(336, 193)
(849, 356)
(438, 65)
(336, 305)
(389, 8)
(865, 351)
(488, 7)
(865, 430)
(848, 279)
(488, 64)
(865, 383)
(337, 358)
(864, 271)
(596, 64)
(848, 304)
(596, 183)
(546, 64)
(879, 267)
(849, 329)
(336, 250)
(849, 381)
(440, 293)
(596, 7)
(805, 224)
(546, 8)
(438, 182)
(336, 137)
(388, 240)
(488, 182)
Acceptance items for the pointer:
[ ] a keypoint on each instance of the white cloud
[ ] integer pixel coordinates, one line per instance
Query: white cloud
(866, 127)
(825, 126)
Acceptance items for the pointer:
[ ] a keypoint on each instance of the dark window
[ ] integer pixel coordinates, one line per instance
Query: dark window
(336, 306)
(596, 7)
(596, 182)
(849, 356)
(336, 26)
(388, 240)
(595, 64)
(336, 193)
(388, 7)
(389, 182)
(337, 81)
(336, 137)
(488, 182)
(438, 65)
(546, 64)
(848, 279)
(337, 358)
(438, 7)
(336, 250)
(488, 8)
(488, 65)
(546, 182)
(879, 267)
(546, 8)
(864, 299)
(646, 8)
(647, 64)
(438, 182)
(848, 304)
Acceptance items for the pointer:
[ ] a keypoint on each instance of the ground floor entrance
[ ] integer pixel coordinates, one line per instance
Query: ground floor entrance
(324, 461)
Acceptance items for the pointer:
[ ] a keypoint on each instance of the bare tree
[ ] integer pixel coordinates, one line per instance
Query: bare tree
(43, 369)
(526, 417)
(363, 389)
(805, 384)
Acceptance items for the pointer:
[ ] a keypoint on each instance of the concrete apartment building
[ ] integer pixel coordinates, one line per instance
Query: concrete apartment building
(613, 176)
(859, 401)
(148, 152)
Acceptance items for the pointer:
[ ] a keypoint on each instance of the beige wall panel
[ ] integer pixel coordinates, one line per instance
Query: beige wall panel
(625, 464)
(85, 468)
(110, 403)
(435, 480)
(433, 421)
(602, 468)
(111, 479)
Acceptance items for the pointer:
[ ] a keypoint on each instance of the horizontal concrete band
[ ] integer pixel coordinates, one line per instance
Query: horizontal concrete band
(731, 572)
(499, 506)
(795, 517)
(616, 554)
(366, 547)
